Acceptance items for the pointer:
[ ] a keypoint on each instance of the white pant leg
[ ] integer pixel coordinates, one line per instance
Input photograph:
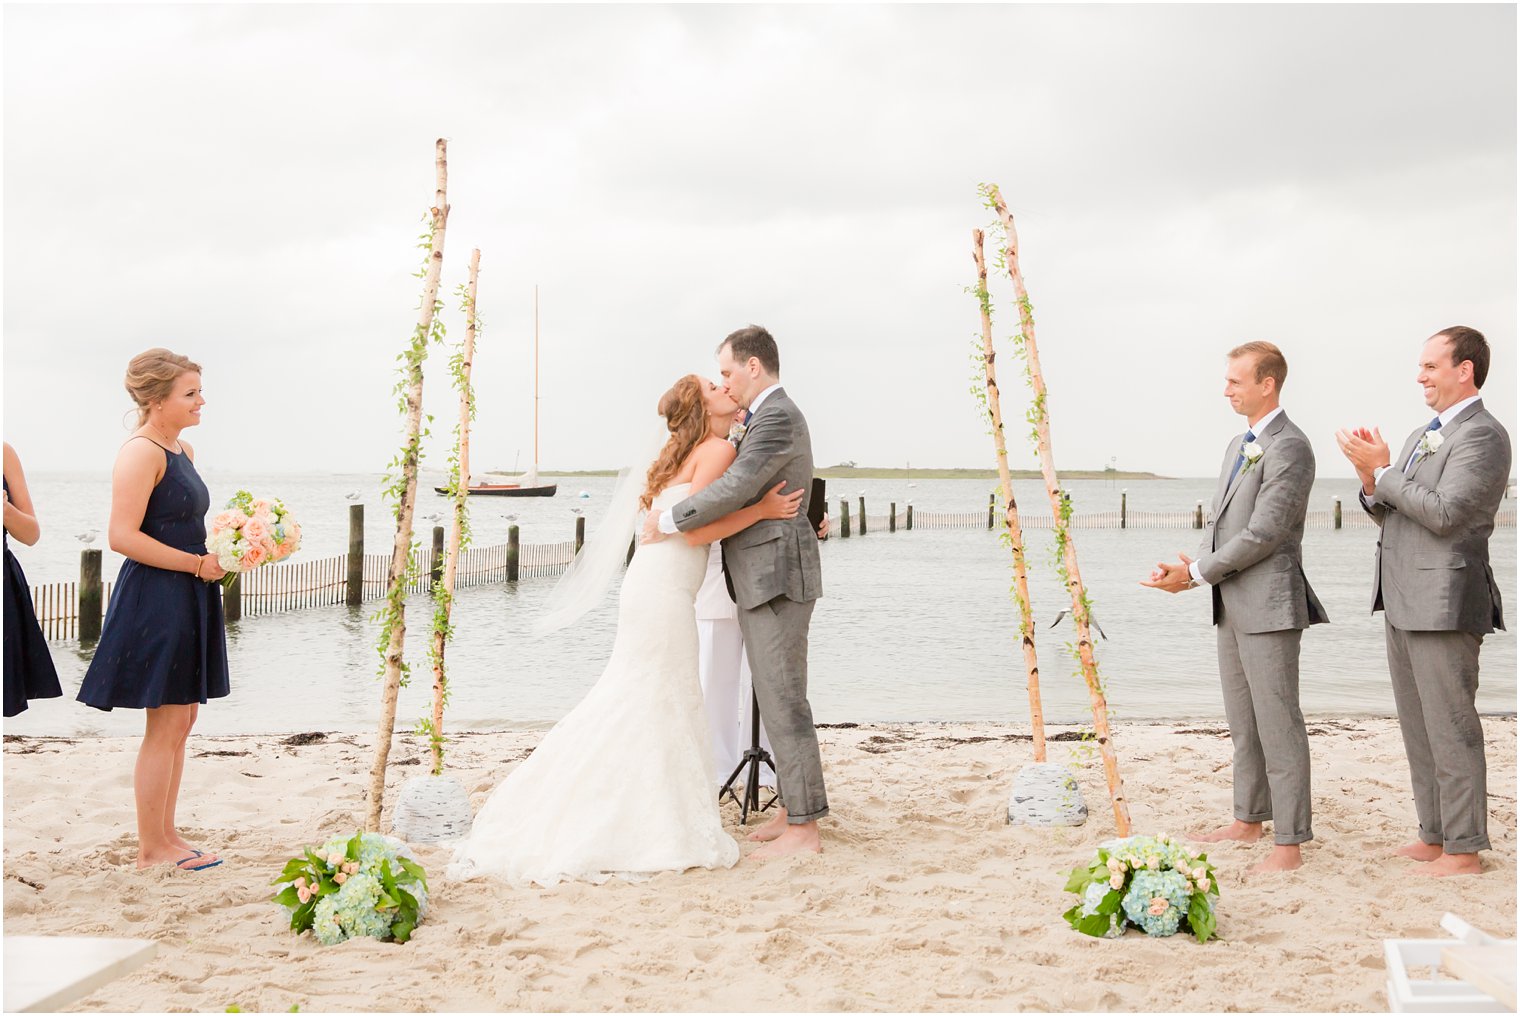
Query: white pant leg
(746, 713)
(720, 663)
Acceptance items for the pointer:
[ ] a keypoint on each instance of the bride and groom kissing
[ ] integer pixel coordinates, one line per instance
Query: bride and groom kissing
(623, 784)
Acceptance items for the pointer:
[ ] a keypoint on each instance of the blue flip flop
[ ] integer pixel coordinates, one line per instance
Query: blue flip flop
(180, 864)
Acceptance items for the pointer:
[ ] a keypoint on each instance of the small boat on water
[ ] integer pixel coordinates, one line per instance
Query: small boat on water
(508, 489)
(526, 485)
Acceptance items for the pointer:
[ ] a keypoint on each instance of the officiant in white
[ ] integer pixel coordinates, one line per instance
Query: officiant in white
(724, 669)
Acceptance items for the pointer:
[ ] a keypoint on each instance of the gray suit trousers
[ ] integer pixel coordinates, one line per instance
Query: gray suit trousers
(1259, 674)
(1435, 687)
(776, 638)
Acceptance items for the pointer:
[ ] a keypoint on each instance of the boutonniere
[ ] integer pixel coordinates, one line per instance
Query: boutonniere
(1252, 454)
(1430, 442)
(736, 434)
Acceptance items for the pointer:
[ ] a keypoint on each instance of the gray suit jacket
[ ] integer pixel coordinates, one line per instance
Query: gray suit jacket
(1432, 567)
(1251, 554)
(773, 557)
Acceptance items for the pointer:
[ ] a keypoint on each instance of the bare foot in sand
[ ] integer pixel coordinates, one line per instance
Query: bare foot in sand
(1450, 864)
(794, 839)
(772, 829)
(1284, 857)
(1242, 832)
(1419, 851)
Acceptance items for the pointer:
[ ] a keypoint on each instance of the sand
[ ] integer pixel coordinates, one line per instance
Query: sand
(923, 900)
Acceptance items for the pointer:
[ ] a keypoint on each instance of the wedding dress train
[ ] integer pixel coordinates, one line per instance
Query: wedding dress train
(623, 784)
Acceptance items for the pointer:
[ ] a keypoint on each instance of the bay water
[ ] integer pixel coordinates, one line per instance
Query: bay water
(913, 626)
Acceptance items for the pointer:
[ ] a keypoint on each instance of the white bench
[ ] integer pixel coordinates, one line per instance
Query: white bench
(48, 973)
(1468, 952)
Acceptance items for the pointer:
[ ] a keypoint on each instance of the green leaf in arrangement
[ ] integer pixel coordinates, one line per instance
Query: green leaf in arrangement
(1201, 918)
(1079, 879)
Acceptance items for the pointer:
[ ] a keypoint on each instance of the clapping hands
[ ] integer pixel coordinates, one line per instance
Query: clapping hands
(1171, 577)
(1366, 450)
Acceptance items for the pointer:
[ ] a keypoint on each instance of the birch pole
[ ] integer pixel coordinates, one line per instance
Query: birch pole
(458, 533)
(1011, 508)
(405, 488)
(1061, 510)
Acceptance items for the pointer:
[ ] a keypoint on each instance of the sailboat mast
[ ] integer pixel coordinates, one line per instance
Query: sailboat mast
(535, 380)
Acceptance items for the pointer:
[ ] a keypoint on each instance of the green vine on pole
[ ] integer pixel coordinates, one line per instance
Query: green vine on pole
(455, 487)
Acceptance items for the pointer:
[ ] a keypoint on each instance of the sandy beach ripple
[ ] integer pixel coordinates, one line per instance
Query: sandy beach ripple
(923, 900)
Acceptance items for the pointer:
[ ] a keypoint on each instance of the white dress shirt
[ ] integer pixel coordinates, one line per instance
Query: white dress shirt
(1255, 431)
(1445, 416)
(668, 516)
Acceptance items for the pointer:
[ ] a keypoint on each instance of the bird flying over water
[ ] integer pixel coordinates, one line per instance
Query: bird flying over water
(1090, 620)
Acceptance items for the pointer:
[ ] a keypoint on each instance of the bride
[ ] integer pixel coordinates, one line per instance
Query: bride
(571, 811)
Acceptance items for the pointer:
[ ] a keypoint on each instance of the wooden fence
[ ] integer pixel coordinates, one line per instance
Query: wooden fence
(70, 610)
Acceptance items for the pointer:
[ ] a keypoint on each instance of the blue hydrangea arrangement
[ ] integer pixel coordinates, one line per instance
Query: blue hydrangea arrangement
(364, 885)
(1152, 882)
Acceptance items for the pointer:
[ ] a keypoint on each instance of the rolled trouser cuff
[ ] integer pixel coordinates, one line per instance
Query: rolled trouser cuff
(1466, 845)
(805, 819)
(1292, 839)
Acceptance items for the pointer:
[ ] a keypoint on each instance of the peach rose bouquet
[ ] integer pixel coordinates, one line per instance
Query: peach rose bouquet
(252, 532)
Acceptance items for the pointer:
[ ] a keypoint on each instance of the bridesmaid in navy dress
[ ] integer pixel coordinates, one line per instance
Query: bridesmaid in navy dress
(163, 647)
(29, 672)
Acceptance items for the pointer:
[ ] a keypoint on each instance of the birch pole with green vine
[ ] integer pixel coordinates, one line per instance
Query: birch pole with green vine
(1014, 533)
(403, 487)
(1060, 506)
(457, 484)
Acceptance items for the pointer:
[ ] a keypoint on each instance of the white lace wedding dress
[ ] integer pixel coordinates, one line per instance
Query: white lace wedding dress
(623, 784)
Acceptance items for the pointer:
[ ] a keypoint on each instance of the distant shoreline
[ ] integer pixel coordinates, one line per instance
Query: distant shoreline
(890, 473)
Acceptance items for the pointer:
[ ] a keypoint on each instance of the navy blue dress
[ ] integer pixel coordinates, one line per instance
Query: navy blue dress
(163, 641)
(29, 672)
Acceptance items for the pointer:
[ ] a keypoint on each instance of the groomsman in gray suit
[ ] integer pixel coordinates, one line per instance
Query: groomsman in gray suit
(1251, 561)
(773, 574)
(1435, 504)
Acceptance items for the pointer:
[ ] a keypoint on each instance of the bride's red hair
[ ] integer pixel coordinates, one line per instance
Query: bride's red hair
(685, 415)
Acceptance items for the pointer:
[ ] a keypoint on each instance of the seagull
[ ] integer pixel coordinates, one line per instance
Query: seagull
(1090, 620)
(861, 492)
(583, 494)
(353, 495)
(512, 517)
(575, 511)
(87, 537)
(433, 517)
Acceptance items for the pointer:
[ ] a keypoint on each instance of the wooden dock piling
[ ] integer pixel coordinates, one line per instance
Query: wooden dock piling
(435, 570)
(354, 594)
(91, 595)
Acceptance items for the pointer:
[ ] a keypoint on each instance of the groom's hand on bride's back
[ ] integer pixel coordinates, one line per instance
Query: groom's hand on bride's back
(651, 531)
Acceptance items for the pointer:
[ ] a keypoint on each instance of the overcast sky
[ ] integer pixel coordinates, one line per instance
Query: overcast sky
(244, 184)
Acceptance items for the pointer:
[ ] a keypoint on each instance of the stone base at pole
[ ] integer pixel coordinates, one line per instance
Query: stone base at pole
(430, 809)
(1046, 794)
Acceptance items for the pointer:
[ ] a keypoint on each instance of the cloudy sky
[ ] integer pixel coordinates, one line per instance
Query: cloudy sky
(245, 184)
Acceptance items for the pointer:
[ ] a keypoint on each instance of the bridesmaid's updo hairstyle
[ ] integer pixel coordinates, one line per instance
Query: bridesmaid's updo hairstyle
(686, 418)
(151, 376)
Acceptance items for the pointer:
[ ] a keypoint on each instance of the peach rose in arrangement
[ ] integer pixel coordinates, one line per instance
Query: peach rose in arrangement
(1159, 906)
(253, 556)
(230, 519)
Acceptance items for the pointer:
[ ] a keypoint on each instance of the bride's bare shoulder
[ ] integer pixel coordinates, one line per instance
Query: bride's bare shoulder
(718, 449)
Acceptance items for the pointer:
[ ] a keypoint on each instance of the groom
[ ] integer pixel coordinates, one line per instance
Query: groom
(773, 571)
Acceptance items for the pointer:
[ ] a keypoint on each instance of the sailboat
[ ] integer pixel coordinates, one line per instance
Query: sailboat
(527, 484)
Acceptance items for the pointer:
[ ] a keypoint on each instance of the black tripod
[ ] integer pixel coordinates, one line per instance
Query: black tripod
(751, 759)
